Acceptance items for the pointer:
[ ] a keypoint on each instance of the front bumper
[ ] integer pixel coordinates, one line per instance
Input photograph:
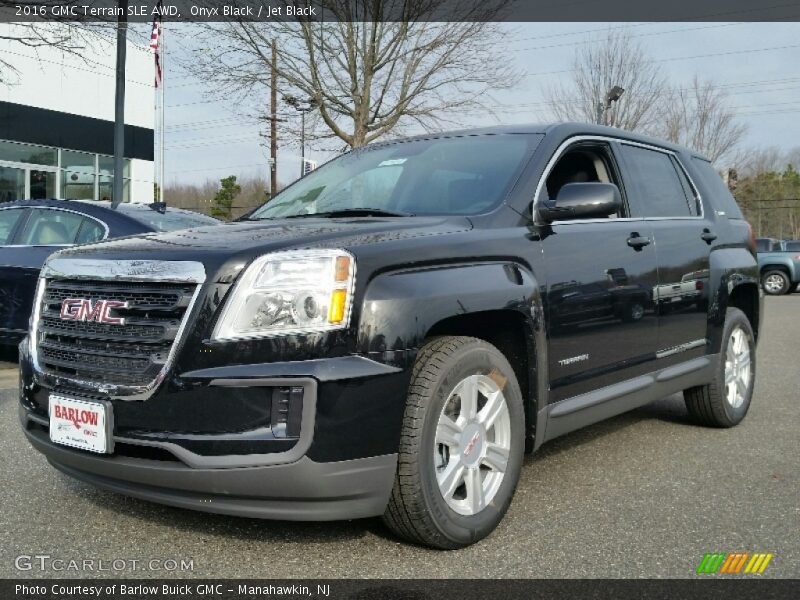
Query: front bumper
(300, 491)
(341, 466)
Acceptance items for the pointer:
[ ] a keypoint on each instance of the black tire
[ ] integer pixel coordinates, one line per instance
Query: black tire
(632, 312)
(417, 510)
(775, 275)
(708, 404)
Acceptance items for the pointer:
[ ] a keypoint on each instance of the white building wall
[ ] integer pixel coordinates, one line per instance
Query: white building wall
(50, 79)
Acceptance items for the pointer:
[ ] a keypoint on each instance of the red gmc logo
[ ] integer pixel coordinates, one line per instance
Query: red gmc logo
(82, 309)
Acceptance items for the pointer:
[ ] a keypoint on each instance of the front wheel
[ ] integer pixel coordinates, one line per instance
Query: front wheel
(725, 401)
(775, 283)
(461, 445)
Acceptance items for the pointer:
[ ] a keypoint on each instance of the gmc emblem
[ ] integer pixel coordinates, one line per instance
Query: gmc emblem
(82, 309)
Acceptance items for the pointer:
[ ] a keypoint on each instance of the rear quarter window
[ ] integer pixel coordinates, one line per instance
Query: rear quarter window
(721, 198)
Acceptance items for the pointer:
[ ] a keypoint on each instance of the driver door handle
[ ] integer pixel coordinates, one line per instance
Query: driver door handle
(637, 242)
(708, 236)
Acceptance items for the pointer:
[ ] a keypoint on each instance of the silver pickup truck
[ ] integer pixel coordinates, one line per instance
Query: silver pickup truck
(779, 265)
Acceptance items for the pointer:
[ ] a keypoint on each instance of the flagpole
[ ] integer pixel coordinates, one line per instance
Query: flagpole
(156, 126)
(163, 109)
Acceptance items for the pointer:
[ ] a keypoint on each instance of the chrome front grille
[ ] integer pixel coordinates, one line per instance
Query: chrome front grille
(132, 353)
(126, 359)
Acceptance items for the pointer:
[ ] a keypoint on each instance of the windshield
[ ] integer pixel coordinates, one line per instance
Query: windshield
(170, 220)
(447, 176)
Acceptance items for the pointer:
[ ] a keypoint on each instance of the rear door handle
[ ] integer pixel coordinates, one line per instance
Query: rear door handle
(637, 242)
(708, 236)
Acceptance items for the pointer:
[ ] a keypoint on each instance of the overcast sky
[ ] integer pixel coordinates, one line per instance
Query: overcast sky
(756, 63)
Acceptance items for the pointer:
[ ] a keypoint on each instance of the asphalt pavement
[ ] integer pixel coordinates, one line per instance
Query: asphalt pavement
(646, 494)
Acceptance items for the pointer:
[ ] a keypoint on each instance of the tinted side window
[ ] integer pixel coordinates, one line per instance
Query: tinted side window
(688, 190)
(8, 219)
(90, 231)
(49, 227)
(763, 245)
(722, 198)
(656, 188)
(792, 246)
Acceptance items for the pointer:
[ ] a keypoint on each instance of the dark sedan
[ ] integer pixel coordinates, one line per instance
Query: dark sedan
(31, 230)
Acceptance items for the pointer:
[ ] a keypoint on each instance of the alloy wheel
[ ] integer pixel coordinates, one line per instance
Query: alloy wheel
(738, 371)
(773, 284)
(472, 444)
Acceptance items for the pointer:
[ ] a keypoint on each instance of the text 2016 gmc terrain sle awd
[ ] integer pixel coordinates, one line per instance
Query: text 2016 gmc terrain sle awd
(389, 335)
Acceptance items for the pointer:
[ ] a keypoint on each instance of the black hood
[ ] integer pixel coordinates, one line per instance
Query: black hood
(236, 244)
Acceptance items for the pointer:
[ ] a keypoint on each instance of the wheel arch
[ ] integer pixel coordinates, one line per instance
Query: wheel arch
(776, 267)
(745, 297)
(736, 281)
(498, 302)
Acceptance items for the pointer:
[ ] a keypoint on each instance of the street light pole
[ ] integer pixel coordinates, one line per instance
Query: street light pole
(302, 143)
(119, 105)
(301, 106)
(273, 125)
(614, 94)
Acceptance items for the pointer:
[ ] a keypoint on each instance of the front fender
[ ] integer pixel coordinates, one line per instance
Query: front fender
(400, 307)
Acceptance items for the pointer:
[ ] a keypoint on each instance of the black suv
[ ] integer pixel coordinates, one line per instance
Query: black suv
(390, 334)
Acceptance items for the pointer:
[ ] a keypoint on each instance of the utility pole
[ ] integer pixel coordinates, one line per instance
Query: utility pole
(273, 124)
(119, 104)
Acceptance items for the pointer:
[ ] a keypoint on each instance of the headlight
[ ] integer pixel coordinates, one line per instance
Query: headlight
(299, 291)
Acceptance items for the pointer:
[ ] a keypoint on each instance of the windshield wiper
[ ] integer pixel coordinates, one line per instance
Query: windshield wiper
(353, 212)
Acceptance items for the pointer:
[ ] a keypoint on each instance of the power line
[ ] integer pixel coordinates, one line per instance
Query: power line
(260, 164)
(636, 35)
(76, 67)
(516, 108)
(691, 57)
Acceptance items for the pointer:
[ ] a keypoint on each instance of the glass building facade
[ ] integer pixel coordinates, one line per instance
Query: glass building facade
(38, 172)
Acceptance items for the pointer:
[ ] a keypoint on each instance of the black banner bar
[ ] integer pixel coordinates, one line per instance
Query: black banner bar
(704, 587)
(143, 11)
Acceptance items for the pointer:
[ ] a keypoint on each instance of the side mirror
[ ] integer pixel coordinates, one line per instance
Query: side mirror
(592, 200)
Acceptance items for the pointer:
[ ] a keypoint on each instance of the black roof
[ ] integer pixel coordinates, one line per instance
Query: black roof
(559, 129)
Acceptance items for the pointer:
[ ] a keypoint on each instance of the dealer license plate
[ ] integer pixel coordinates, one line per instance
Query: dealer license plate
(79, 423)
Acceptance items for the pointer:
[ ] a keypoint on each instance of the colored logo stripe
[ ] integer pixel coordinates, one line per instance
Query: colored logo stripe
(711, 562)
(758, 563)
(733, 563)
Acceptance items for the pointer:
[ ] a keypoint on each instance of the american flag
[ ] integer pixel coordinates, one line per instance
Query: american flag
(155, 45)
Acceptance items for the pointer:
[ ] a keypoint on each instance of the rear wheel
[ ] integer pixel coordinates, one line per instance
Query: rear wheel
(775, 282)
(632, 312)
(725, 401)
(461, 446)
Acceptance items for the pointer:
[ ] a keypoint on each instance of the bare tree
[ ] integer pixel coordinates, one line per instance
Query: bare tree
(616, 60)
(699, 117)
(753, 161)
(71, 37)
(366, 76)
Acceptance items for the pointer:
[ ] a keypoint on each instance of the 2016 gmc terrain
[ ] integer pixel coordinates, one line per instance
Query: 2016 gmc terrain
(389, 335)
